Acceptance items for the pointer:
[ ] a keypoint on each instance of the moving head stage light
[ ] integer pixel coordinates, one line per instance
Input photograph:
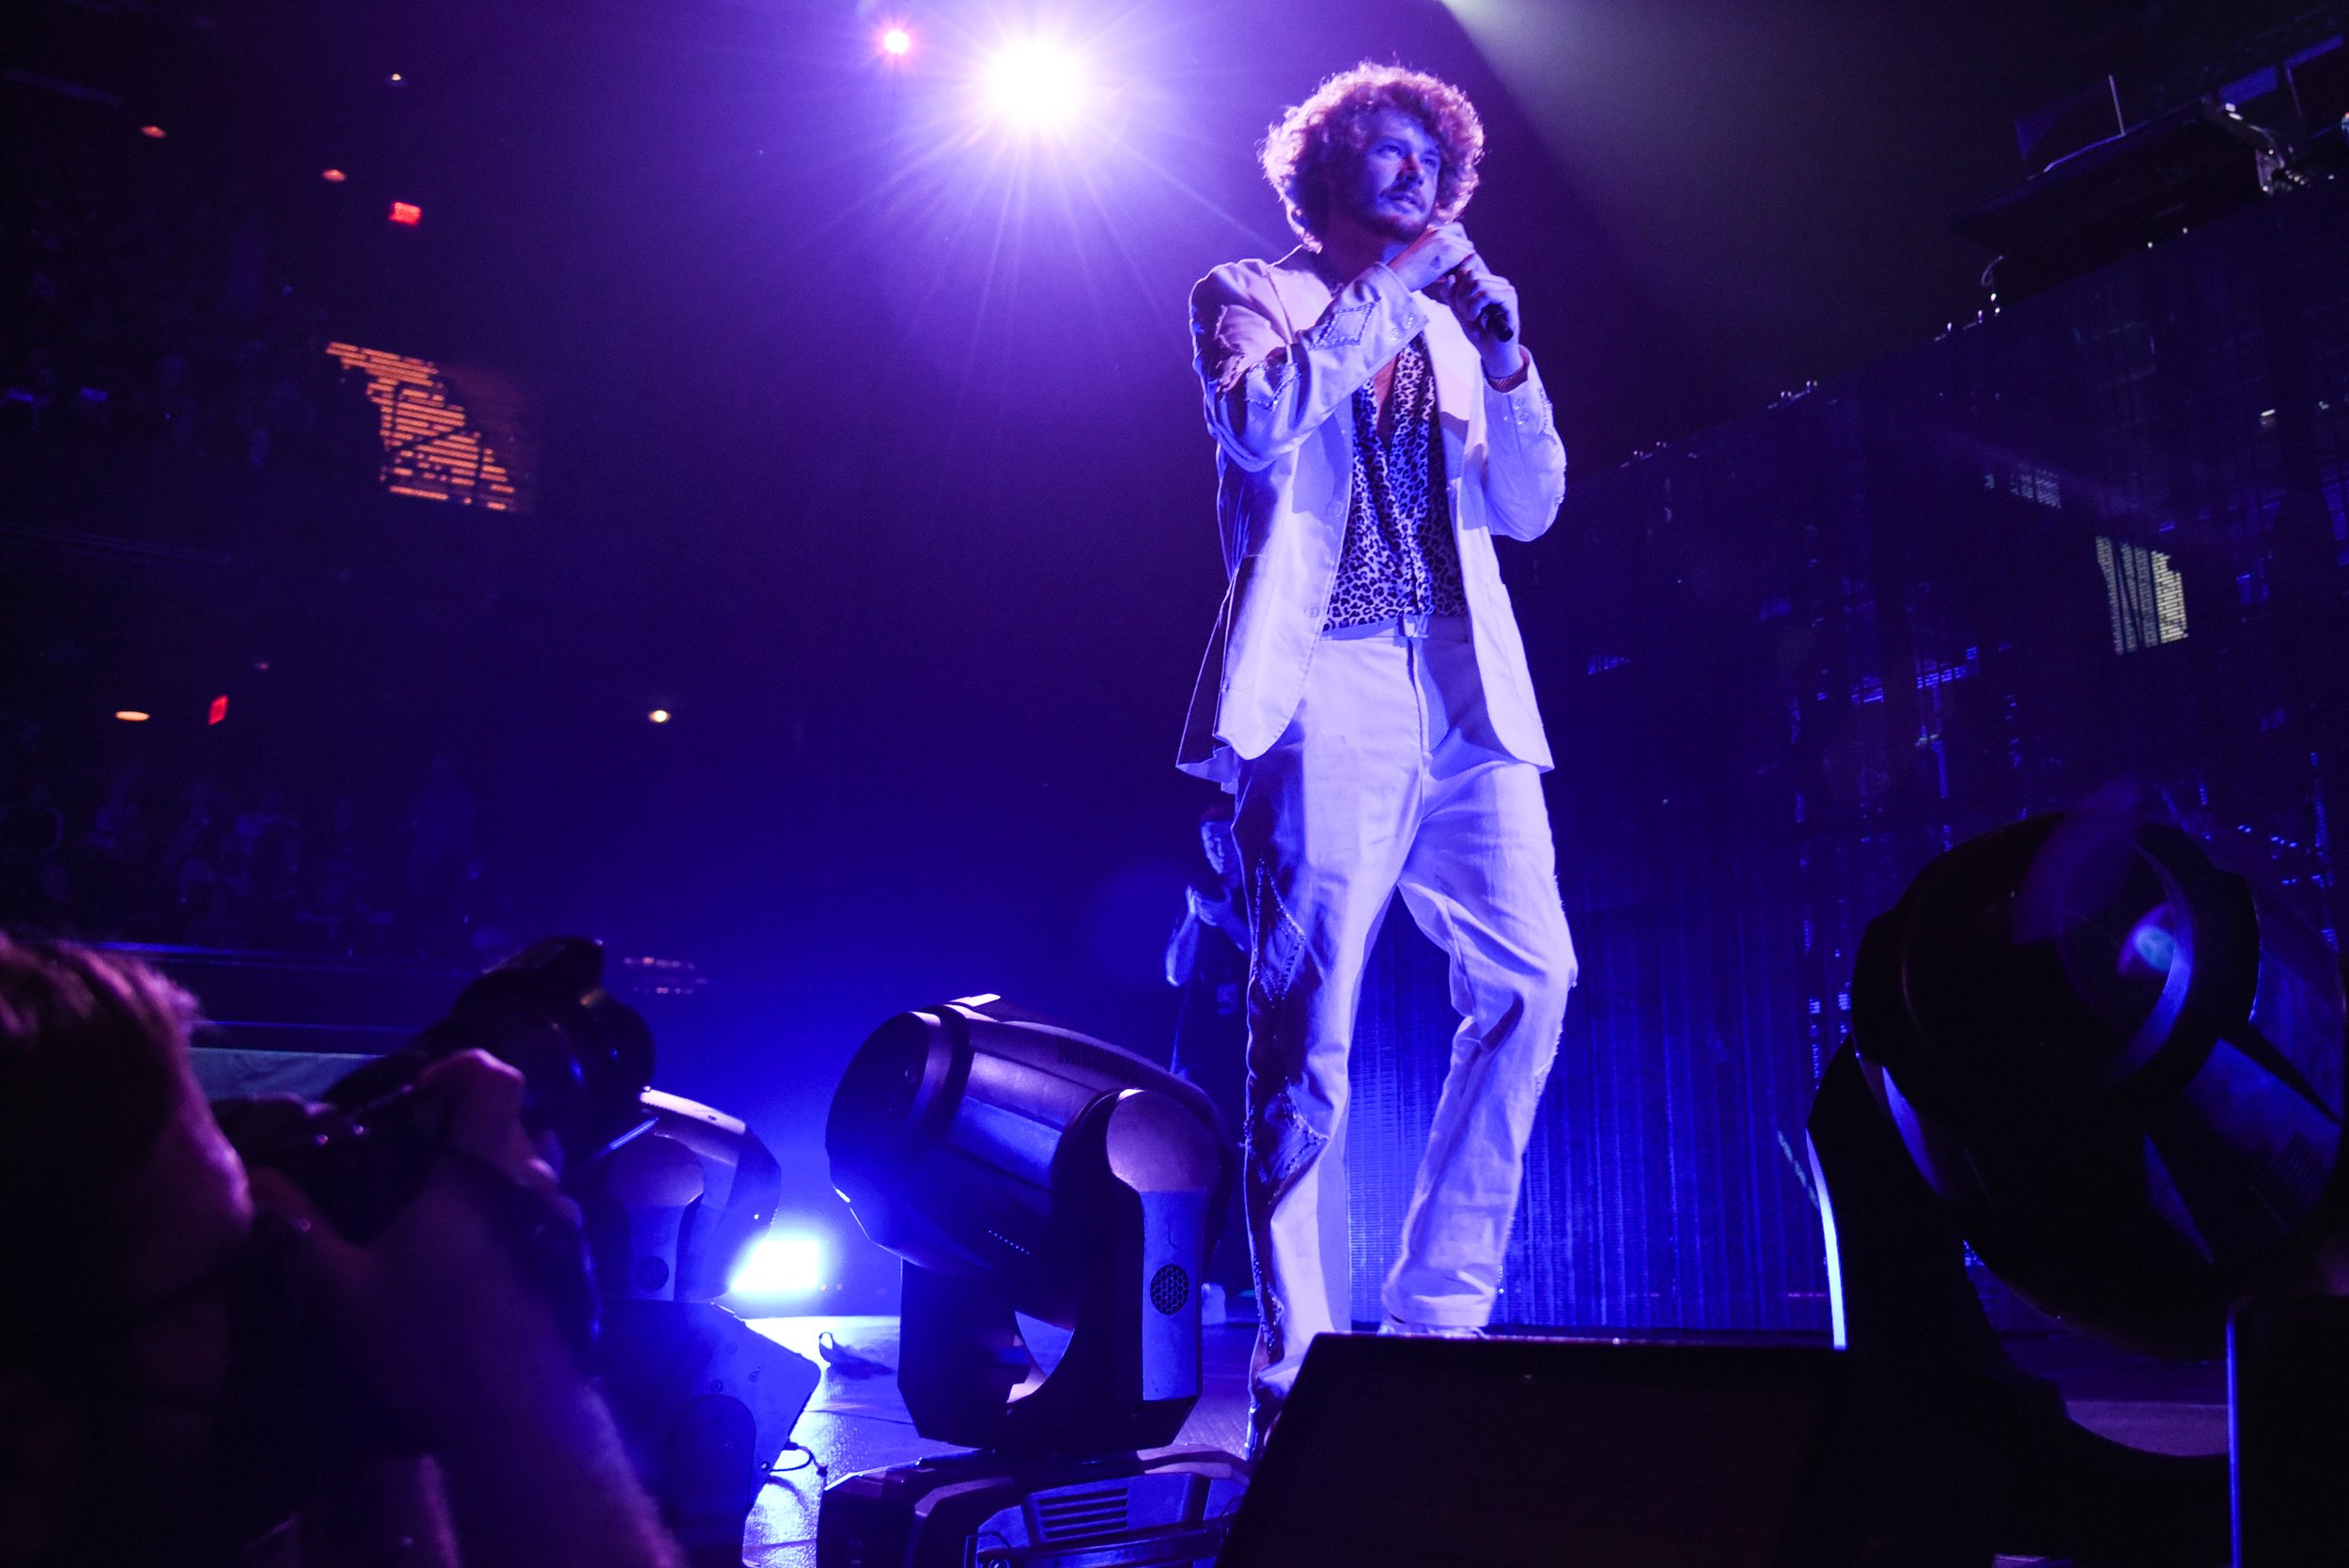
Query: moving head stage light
(1018, 1167)
(2113, 1069)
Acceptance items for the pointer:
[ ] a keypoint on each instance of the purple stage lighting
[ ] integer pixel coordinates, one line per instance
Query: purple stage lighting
(779, 1265)
(1035, 84)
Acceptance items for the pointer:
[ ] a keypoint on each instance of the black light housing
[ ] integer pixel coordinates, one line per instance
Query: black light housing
(2113, 1068)
(1018, 1167)
(2118, 1064)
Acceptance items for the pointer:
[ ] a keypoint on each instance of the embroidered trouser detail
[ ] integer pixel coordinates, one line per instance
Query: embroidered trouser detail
(1281, 1144)
(1280, 943)
(1388, 781)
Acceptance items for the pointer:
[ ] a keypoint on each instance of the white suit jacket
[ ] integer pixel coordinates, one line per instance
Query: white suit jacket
(1279, 356)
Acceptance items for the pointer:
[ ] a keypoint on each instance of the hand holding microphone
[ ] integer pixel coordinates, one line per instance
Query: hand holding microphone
(1491, 317)
(1443, 264)
(1487, 306)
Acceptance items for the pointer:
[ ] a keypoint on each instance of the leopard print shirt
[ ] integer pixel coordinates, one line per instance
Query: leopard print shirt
(1400, 557)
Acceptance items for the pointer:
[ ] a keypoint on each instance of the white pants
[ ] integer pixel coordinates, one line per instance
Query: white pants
(1388, 780)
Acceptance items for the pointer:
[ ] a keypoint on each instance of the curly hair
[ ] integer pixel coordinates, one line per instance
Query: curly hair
(1313, 142)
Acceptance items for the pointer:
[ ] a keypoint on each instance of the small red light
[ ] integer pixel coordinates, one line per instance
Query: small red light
(152, 133)
(333, 177)
(406, 212)
(219, 710)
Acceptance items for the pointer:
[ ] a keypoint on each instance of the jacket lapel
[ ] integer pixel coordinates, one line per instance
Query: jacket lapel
(1459, 398)
(1457, 370)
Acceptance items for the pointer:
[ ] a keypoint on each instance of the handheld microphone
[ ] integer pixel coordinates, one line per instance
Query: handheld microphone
(1493, 320)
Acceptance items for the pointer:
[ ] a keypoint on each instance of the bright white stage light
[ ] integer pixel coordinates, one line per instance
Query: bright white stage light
(780, 1265)
(1035, 82)
(897, 41)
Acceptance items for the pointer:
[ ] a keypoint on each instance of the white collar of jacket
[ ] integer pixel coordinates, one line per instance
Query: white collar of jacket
(1305, 292)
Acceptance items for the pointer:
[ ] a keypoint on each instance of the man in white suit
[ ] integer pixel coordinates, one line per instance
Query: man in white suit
(1365, 695)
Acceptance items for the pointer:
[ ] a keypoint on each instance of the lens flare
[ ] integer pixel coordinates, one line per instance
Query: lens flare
(1035, 82)
(896, 41)
(780, 1265)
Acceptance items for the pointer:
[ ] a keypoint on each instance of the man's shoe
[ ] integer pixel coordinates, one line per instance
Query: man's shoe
(1428, 1330)
(1261, 1418)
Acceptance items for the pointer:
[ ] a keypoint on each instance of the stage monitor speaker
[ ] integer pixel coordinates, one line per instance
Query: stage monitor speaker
(1408, 1453)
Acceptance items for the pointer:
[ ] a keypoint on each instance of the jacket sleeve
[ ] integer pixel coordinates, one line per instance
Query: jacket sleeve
(1525, 469)
(1266, 393)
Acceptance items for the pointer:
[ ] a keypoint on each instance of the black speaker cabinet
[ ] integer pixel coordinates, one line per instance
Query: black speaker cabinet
(1548, 1453)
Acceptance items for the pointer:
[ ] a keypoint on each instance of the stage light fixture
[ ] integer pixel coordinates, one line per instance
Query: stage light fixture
(218, 712)
(407, 214)
(152, 133)
(2113, 1068)
(780, 1265)
(659, 716)
(333, 177)
(1035, 84)
(896, 41)
(2118, 1065)
(132, 716)
(1019, 1168)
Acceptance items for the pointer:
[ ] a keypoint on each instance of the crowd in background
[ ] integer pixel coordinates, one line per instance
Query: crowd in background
(130, 855)
(139, 306)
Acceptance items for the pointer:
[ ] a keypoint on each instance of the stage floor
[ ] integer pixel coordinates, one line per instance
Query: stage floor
(860, 1423)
